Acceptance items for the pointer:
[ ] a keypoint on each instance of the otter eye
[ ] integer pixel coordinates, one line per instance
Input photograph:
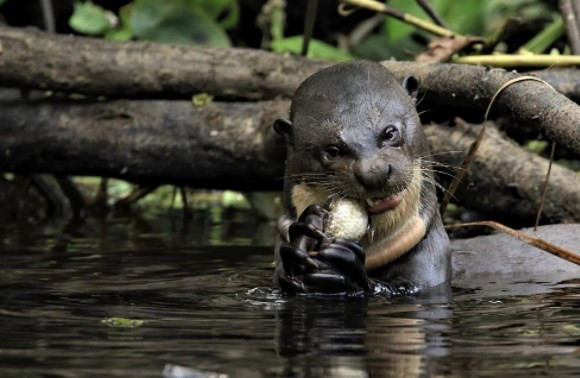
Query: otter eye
(390, 135)
(332, 152)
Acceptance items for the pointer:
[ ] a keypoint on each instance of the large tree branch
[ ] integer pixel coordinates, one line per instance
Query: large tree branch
(231, 145)
(142, 69)
(220, 145)
(37, 60)
(504, 179)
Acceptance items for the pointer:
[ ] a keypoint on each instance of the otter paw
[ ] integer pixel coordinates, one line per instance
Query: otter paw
(295, 260)
(342, 267)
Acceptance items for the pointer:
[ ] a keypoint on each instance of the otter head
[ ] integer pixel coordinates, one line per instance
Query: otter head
(354, 132)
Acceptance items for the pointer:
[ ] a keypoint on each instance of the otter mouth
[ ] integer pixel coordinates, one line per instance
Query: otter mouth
(379, 205)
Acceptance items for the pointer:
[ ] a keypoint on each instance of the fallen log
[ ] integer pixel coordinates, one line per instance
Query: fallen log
(231, 145)
(565, 80)
(36, 60)
(505, 180)
(219, 145)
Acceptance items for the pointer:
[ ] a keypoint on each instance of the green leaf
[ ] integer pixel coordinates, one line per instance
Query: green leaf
(317, 49)
(178, 21)
(536, 146)
(91, 19)
(226, 11)
(124, 33)
(122, 322)
(463, 16)
(201, 99)
(377, 47)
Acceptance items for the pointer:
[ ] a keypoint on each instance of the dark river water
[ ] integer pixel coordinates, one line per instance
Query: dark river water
(146, 297)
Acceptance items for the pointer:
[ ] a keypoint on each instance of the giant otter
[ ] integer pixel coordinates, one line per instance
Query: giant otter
(354, 133)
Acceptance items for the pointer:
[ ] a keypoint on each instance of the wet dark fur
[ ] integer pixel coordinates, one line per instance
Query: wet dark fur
(349, 105)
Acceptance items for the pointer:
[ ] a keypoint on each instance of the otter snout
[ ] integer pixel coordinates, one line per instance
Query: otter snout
(373, 174)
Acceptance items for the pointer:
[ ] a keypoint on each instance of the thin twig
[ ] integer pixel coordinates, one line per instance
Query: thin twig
(545, 188)
(401, 16)
(516, 60)
(476, 143)
(542, 244)
(567, 8)
(432, 13)
(74, 195)
(48, 16)
(102, 196)
(309, 25)
(138, 193)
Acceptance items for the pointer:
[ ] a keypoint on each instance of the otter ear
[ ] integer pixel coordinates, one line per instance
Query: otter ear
(284, 128)
(411, 85)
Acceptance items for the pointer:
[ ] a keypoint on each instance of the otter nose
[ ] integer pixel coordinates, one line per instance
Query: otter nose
(373, 174)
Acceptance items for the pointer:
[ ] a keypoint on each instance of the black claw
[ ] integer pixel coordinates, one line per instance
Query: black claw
(313, 211)
(298, 229)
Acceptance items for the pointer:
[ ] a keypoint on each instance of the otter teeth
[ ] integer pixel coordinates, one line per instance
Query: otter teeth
(373, 201)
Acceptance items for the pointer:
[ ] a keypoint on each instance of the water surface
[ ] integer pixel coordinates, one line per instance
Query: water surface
(198, 295)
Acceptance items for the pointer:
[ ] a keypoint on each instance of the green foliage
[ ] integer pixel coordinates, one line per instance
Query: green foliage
(200, 22)
(91, 19)
(545, 38)
(229, 9)
(178, 21)
(124, 33)
(316, 49)
(464, 17)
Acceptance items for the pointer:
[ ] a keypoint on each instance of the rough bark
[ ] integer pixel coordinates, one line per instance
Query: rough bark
(219, 145)
(141, 69)
(506, 180)
(231, 145)
(37, 60)
(530, 103)
(565, 80)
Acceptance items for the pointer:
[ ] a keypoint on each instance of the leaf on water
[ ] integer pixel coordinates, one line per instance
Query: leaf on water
(176, 22)
(91, 19)
(122, 322)
(316, 49)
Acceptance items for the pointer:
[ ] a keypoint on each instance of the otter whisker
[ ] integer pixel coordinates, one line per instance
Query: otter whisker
(421, 100)
(440, 152)
(439, 164)
(438, 172)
